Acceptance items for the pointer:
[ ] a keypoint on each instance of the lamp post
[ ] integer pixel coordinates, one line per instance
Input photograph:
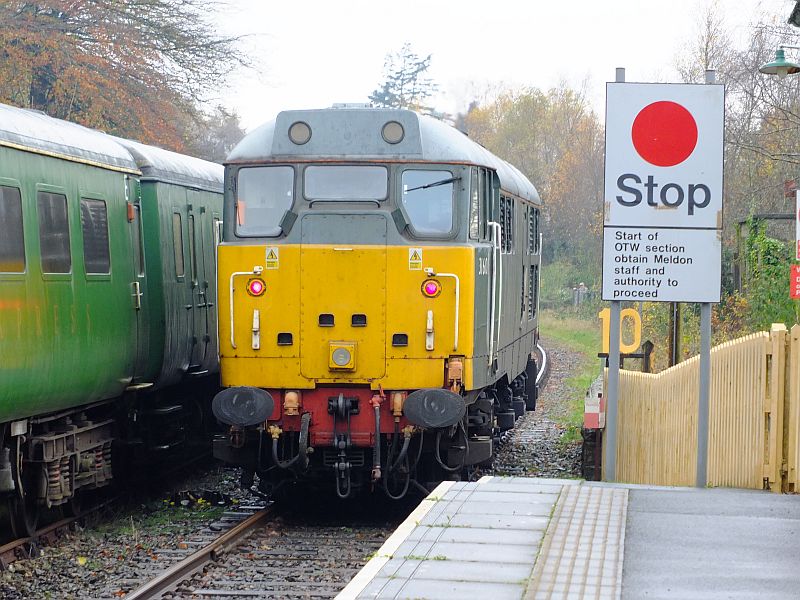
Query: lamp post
(780, 66)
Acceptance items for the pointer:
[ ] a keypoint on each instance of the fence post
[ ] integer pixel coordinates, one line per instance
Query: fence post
(793, 412)
(777, 388)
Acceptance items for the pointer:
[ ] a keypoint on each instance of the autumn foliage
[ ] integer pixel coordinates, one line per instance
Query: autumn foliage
(135, 68)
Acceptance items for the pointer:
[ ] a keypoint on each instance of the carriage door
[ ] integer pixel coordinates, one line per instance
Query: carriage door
(133, 194)
(199, 236)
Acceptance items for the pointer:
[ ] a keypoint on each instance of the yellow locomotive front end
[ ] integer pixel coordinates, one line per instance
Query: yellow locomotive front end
(345, 314)
(360, 324)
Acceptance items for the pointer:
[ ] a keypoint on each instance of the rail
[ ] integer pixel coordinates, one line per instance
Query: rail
(193, 563)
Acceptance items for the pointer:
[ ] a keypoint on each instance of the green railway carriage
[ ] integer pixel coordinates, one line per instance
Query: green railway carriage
(180, 203)
(106, 271)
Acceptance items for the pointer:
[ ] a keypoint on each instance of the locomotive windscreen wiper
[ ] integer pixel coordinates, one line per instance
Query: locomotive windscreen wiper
(434, 184)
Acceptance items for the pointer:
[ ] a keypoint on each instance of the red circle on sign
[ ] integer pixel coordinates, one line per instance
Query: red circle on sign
(664, 133)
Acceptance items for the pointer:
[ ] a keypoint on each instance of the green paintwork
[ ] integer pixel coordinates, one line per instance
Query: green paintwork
(182, 325)
(64, 339)
(70, 339)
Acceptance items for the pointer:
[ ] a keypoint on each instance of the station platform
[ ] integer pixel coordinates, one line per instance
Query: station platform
(527, 539)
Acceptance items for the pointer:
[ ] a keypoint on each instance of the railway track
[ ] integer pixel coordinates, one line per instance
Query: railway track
(198, 551)
(29, 547)
(251, 551)
(269, 556)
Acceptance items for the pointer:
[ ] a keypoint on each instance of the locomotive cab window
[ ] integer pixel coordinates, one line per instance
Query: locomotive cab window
(12, 243)
(263, 195)
(346, 182)
(427, 198)
(94, 223)
(54, 232)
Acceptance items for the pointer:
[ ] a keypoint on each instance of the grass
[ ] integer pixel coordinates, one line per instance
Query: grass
(166, 519)
(583, 337)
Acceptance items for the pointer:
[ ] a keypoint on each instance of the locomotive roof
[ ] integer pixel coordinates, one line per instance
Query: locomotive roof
(36, 132)
(157, 164)
(354, 134)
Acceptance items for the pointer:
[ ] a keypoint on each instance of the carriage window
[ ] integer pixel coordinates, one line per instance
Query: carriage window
(264, 194)
(533, 290)
(177, 244)
(192, 250)
(474, 205)
(428, 200)
(94, 223)
(12, 243)
(54, 232)
(343, 182)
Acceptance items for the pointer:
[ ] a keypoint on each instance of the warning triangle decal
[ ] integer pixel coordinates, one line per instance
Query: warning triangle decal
(271, 255)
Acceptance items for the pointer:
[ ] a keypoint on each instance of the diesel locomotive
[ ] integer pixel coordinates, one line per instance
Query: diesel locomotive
(107, 306)
(378, 298)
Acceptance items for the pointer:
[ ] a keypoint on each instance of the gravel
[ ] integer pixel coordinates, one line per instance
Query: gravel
(535, 448)
(104, 560)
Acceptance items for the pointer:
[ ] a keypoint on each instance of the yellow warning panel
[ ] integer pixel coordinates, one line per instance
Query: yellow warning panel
(415, 259)
(273, 258)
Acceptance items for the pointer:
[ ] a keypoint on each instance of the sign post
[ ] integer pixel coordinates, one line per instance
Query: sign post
(662, 230)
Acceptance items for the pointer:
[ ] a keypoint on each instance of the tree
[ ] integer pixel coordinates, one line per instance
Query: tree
(556, 140)
(405, 84)
(212, 136)
(136, 68)
(710, 48)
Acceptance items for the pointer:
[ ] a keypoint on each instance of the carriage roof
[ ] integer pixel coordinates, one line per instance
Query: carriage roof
(36, 132)
(158, 164)
(355, 134)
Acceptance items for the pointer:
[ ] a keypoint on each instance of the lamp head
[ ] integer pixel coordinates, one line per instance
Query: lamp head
(780, 66)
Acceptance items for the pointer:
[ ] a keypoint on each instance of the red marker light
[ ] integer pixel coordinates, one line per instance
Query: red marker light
(431, 288)
(256, 287)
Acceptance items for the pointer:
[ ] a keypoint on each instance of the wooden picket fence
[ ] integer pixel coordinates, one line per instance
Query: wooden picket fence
(754, 424)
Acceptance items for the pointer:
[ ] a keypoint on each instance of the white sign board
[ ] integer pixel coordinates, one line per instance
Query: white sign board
(661, 265)
(663, 182)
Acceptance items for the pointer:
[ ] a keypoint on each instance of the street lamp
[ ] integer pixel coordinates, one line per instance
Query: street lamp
(780, 66)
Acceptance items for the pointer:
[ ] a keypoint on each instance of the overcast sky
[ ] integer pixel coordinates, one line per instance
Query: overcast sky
(312, 53)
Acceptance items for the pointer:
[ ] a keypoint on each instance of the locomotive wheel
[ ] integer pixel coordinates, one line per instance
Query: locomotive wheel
(23, 510)
(24, 516)
(531, 389)
(73, 506)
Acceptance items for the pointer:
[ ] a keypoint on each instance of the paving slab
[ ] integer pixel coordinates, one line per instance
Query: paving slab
(719, 543)
(527, 539)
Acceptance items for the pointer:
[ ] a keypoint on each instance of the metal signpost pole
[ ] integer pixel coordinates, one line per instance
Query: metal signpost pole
(705, 376)
(610, 434)
(703, 398)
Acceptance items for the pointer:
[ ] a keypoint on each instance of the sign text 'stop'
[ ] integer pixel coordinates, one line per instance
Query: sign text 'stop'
(664, 145)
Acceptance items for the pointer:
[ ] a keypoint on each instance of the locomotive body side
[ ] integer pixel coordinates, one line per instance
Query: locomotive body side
(359, 277)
